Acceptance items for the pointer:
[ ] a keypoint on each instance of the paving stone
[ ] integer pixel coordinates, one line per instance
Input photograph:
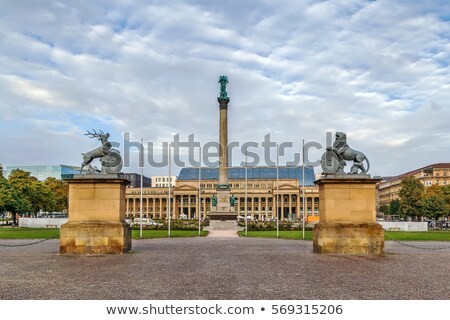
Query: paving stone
(223, 268)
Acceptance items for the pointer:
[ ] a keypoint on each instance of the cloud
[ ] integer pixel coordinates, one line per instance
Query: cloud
(377, 70)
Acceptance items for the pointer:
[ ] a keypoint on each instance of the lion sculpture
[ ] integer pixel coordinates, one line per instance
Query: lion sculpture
(342, 153)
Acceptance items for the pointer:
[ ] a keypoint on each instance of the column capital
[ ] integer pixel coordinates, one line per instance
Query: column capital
(223, 102)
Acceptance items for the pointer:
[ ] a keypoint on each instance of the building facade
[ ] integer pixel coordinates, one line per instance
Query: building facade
(135, 180)
(262, 189)
(45, 171)
(438, 173)
(163, 181)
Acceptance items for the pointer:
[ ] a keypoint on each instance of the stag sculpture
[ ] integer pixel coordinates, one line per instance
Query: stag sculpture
(110, 158)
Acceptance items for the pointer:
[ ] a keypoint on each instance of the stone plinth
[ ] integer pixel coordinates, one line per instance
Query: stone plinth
(347, 207)
(223, 201)
(96, 216)
(223, 215)
(223, 210)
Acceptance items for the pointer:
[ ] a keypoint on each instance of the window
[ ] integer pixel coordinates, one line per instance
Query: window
(428, 183)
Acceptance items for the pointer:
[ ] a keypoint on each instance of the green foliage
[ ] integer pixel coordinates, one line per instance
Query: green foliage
(435, 202)
(384, 209)
(22, 193)
(151, 234)
(411, 197)
(10, 199)
(446, 192)
(394, 207)
(285, 234)
(396, 235)
(186, 225)
(60, 193)
(267, 226)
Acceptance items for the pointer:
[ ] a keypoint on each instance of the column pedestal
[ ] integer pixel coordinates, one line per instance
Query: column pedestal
(223, 211)
(347, 216)
(96, 216)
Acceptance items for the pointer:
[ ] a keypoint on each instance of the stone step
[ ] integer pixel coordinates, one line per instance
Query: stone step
(223, 225)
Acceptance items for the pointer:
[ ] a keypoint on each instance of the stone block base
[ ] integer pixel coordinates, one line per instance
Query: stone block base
(348, 238)
(95, 237)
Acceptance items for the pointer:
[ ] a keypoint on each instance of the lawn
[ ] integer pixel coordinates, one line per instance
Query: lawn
(395, 235)
(149, 234)
(417, 236)
(43, 233)
(28, 233)
(295, 235)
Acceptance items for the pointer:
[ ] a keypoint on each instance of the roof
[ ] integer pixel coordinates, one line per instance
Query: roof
(429, 167)
(252, 173)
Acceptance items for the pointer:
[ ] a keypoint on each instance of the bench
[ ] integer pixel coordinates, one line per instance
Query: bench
(394, 229)
(52, 226)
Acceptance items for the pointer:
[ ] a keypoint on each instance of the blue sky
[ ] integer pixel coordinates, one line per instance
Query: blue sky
(377, 70)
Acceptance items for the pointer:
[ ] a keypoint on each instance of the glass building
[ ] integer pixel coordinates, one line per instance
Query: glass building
(43, 172)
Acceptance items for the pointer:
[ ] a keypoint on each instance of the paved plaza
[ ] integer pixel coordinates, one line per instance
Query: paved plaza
(223, 268)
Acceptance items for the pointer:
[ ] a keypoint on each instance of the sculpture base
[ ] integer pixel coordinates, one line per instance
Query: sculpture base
(96, 216)
(95, 237)
(223, 204)
(347, 216)
(348, 238)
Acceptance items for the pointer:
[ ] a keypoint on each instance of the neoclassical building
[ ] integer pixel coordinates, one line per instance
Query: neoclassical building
(261, 194)
(389, 189)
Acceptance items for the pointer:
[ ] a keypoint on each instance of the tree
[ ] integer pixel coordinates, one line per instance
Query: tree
(394, 207)
(434, 202)
(60, 193)
(384, 209)
(41, 197)
(446, 192)
(10, 200)
(33, 195)
(411, 197)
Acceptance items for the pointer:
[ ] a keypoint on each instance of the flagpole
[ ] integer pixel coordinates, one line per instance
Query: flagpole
(141, 156)
(278, 192)
(303, 189)
(170, 187)
(199, 191)
(246, 192)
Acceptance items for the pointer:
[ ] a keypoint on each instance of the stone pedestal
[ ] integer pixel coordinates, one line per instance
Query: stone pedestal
(223, 200)
(347, 216)
(223, 210)
(96, 216)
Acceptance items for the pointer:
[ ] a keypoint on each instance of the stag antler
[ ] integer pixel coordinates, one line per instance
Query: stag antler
(94, 135)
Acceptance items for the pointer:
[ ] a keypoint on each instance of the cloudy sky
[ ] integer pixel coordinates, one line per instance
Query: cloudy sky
(377, 70)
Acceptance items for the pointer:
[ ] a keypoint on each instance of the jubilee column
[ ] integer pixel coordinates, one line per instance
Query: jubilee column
(223, 135)
(222, 208)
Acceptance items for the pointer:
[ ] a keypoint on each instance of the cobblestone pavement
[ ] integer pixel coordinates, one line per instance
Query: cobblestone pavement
(223, 268)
